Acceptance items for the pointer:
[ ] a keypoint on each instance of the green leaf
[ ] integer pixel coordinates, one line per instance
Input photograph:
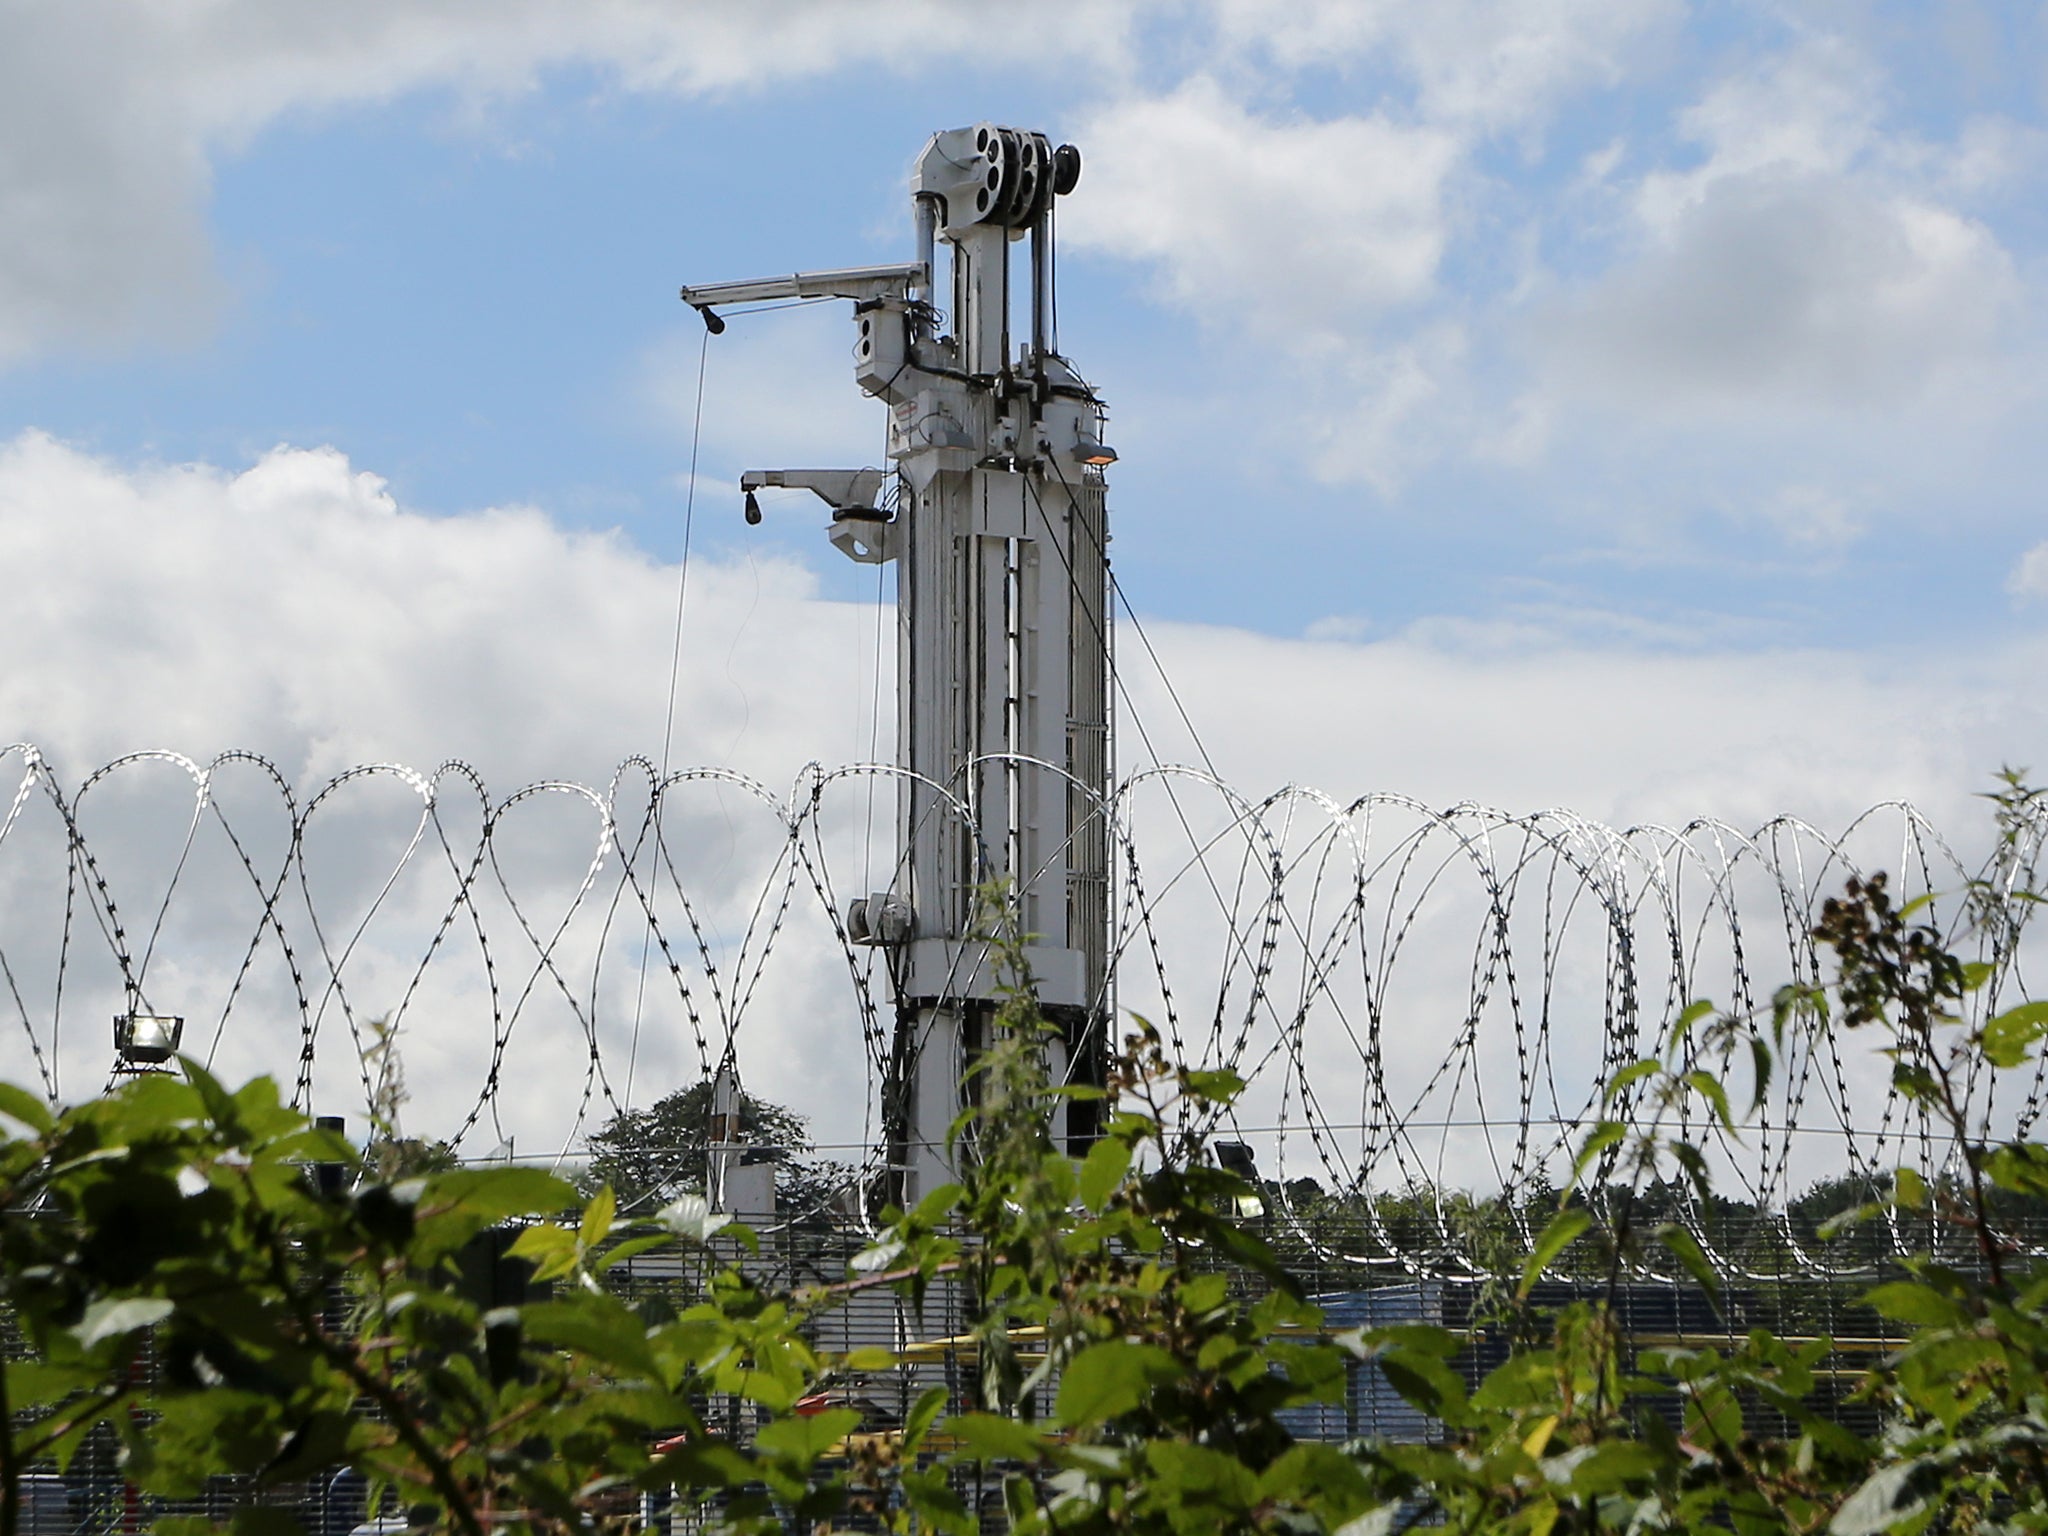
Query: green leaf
(1527, 1380)
(1685, 1247)
(631, 1248)
(1760, 1062)
(1844, 1221)
(704, 1465)
(918, 1422)
(987, 1437)
(877, 1256)
(1205, 1478)
(1689, 1016)
(1415, 1338)
(2005, 1039)
(1792, 1000)
(1628, 1076)
(1887, 1499)
(936, 1504)
(1613, 1466)
(19, 1104)
(1217, 1086)
(1712, 1413)
(2020, 1166)
(1425, 1382)
(221, 1107)
(818, 1507)
(552, 1250)
(601, 1327)
(692, 1219)
(1103, 1171)
(867, 1358)
(1316, 1370)
(597, 1217)
(266, 1520)
(1202, 1294)
(1915, 1082)
(34, 1382)
(1908, 1301)
(1108, 1379)
(111, 1318)
(808, 1436)
(1909, 1190)
(936, 1206)
(1565, 1228)
(490, 1195)
(1315, 1476)
(1693, 1163)
(264, 1115)
(1608, 1133)
(1709, 1087)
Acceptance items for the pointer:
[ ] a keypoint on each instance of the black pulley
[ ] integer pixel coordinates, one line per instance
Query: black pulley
(1066, 169)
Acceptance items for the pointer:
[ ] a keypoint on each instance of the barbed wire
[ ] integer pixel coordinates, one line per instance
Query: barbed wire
(1426, 1004)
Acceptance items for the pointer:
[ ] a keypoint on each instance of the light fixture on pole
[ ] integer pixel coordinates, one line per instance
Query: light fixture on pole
(147, 1039)
(1090, 450)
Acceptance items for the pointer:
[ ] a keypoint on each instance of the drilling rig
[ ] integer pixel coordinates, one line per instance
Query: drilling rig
(992, 509)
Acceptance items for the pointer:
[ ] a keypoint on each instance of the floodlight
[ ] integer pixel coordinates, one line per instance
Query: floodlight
(145, 1039)
(1089, 451)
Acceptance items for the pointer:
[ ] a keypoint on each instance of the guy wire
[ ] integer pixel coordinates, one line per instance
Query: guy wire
(675, 667)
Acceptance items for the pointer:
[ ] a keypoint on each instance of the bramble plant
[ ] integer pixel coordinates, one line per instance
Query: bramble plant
(1134, 1348)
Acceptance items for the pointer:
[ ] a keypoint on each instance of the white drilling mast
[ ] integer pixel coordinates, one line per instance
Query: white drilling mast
(1001, 541)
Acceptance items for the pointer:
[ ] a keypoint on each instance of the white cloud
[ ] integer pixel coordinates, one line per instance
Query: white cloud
(1812, 111)
(1537, 717)
(1483, 63)
(1301, 226)
(779, 391)
(296, 609)
(1990, 155)
(1774, 288)
(1809, 260)
(111, 112)
(1811, 516)
(1349, 628)
(102, 231)
(2030, 577)
(1387, 410)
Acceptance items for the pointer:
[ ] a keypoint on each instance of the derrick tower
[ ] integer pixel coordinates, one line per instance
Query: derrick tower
(992, 507)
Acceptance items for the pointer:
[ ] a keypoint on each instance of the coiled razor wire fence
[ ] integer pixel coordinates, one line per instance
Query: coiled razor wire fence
(1428, 1005)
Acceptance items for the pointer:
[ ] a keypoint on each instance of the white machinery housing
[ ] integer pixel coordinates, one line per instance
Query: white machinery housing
(998, 528)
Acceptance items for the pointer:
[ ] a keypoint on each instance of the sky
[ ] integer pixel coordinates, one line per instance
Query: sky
(1624, 405)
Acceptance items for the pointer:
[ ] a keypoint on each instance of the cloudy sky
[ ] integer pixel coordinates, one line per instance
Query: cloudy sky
(1623, 404)
(1508, 342)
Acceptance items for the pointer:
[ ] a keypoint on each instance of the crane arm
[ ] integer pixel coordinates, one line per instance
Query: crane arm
(856, 283)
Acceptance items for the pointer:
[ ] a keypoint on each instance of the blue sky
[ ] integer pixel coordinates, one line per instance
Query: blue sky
(1622, 330)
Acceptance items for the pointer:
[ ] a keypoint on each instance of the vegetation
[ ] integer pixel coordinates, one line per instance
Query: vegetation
(1136, 1352)
(651, 1157)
